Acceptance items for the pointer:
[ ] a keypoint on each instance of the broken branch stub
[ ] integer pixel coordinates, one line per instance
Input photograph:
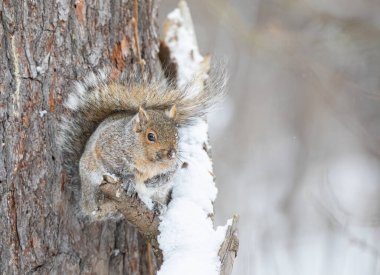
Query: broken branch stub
(134, 210)
(229, 248)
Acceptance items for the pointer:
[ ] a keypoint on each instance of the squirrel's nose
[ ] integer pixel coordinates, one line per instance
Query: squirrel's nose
(171, 153)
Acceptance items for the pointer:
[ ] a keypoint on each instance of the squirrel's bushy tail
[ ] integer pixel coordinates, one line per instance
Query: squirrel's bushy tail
(98, 97)
(200, 97)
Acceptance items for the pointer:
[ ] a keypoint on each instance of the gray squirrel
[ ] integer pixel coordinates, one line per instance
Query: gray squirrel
(128, 130)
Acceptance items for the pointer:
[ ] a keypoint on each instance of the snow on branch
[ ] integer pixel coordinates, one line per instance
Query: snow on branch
(188, 240)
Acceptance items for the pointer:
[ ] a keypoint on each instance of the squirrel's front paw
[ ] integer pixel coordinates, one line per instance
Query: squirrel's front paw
(129, 185)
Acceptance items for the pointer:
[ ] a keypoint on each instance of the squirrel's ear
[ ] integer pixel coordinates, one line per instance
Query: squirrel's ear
(140, 120)
(143, 116)
(172, 112)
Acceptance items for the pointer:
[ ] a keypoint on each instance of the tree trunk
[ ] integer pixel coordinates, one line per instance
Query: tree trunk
(44, 46)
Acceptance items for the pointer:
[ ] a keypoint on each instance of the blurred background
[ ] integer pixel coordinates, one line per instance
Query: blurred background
(296, 144)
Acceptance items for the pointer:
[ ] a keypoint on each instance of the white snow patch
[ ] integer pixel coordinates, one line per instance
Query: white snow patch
(188, 240)
(182, 42)
(42, 113)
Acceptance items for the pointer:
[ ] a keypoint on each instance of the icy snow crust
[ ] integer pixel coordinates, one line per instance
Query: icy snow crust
(188, 240)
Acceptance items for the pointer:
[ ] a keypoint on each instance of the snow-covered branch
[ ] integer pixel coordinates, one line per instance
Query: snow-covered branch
(189, 242)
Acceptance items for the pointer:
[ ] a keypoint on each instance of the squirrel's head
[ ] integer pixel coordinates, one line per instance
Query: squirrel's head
(158, 136)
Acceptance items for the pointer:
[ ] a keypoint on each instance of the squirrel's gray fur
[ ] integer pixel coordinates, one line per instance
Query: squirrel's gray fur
(98, 98)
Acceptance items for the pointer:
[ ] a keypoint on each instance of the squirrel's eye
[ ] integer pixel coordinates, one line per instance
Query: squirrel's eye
(151, 137)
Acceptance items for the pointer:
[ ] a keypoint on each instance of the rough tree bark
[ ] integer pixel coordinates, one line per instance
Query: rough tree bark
(44, 46)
